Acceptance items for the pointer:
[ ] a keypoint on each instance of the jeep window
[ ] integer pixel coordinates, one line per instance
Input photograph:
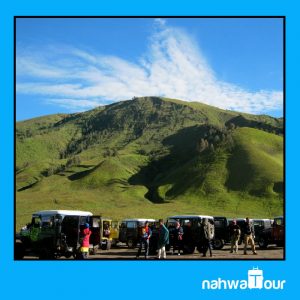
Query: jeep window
(268, 223)
(219, 223)
(131, 224)
(278, 221)
(36, 222)
(114, 225)
(171, 223)
(185, 222)
(258, 223)
(123, 225)
(47, 221)
(95, 222)
(83, 220)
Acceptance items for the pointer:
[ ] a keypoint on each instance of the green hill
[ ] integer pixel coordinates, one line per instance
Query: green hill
(151, 157)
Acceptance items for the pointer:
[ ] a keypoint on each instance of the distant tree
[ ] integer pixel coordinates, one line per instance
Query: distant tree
(229, 142)
(206, 144)
(114, 152)
(73, 161)
(216, 139)
(231, 126)
(202, 145)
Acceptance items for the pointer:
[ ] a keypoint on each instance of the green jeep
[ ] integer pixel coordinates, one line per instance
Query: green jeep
(51, 234)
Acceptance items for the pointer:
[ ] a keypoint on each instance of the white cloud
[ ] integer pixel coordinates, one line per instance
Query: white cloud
(74, 104)
(173, 67)
(160, 22)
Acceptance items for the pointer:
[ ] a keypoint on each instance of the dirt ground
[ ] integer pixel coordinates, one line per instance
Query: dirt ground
(122, 252)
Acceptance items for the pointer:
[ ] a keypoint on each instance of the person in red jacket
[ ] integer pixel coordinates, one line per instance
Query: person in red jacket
(85, 244)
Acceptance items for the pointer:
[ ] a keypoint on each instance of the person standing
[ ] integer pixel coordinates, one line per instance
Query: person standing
(85, 244)
(207, 233)
(144, 240)
(163, 240)
(235, 234)
(178, 239)
(249, 236)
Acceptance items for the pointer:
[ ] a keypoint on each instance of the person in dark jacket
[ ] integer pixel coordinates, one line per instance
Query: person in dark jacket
(235, 234)
(249, 236)
(144, 240)
(207, 233)
(178, 238)
(163, 239)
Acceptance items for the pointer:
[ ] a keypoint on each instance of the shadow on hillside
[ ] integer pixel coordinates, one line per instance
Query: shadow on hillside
(67, 119)
(239, 173)
(82, 174)
(241, 121)
(85, 166)
(28, 186)
(166, 170)
(242, 175)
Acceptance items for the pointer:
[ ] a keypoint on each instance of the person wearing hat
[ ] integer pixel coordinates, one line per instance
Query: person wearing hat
(85, 244)
(235, 234)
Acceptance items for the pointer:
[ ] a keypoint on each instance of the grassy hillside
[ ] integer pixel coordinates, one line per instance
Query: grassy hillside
(151, 157)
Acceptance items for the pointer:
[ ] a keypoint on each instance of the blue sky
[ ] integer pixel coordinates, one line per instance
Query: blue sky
(71, 65)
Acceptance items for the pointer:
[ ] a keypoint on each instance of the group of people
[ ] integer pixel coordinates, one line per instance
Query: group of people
(206, 232)
(162, 241)
(247, 230)
(206, 236)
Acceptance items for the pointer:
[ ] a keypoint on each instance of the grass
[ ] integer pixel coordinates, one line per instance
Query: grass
(257, 162)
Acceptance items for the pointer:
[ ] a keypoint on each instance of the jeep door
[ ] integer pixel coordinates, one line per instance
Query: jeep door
(221, 228)
(114, 232)
(95, 227)
(70, 227)
(132, 230)
(123, 232)
(278, 229)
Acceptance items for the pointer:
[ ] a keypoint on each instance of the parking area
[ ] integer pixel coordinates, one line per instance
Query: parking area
(124, 253)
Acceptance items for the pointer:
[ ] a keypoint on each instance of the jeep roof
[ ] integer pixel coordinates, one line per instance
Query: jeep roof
(138, 220)
(190, 217)
(62, 212)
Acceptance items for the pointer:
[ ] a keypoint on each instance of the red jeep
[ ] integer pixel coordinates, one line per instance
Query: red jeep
(273, 235)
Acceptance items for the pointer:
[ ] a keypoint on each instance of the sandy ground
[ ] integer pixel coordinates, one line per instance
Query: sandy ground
(122, 252)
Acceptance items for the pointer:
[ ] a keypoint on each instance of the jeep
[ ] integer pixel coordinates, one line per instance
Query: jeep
(273, 235)
(53, 233)
(129, 231)
(221, 232)
(261, 225)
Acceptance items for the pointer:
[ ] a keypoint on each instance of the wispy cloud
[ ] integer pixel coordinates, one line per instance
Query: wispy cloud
(173, 67)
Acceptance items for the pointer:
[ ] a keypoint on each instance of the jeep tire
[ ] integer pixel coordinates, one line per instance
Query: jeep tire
(218, 244)
(188, 249)
(131, 243)
(19, 250)
(262, 242)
